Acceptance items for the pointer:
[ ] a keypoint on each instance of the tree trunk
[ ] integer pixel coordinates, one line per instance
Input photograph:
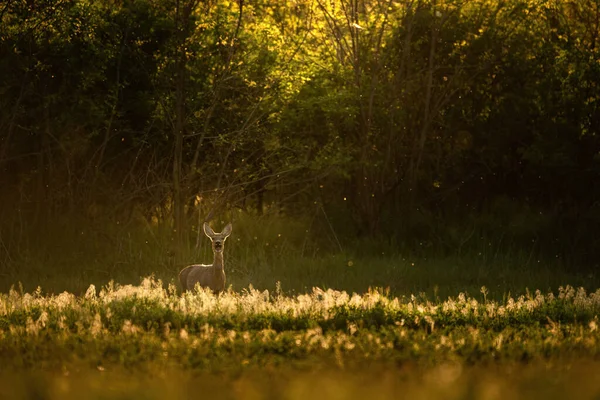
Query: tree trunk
(182, 14)
(420, 140)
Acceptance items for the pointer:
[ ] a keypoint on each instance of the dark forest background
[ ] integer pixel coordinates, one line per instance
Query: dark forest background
(353, 129)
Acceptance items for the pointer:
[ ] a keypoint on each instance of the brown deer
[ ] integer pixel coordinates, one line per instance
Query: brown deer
(212, 275)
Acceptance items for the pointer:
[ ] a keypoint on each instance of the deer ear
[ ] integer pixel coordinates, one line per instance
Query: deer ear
(208, 230)
(227, 230)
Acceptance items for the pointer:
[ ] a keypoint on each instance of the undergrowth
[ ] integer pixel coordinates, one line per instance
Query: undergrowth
(70, 254)
(132, 326)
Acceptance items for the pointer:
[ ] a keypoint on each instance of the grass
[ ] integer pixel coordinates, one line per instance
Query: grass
(302, 318)
(446, 381)
(148, 341)
(436, 277)
(72, 254)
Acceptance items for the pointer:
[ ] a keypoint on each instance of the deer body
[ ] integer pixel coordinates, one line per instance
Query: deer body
(210, 276)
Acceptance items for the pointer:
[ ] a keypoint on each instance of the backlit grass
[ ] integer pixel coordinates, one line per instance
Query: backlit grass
(148, 341)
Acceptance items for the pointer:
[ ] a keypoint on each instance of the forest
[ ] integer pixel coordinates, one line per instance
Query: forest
(425, 127)
(413, 188)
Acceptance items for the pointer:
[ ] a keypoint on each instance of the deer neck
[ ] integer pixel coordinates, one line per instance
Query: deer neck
(218, 263)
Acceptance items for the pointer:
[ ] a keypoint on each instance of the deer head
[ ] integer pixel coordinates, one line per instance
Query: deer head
(217, 239)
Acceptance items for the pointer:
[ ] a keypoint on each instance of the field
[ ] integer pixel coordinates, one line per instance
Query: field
(149, 341)
(412, 188)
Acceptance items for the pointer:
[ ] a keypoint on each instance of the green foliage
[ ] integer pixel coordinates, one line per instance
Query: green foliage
(149, 341)
(428, 129)
(135, 325)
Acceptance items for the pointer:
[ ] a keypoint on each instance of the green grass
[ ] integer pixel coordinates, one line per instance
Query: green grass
(437, 277)
(148, 341)
(305, 316)
(72, 254)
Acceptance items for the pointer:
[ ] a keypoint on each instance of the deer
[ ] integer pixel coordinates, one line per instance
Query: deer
(210, 276)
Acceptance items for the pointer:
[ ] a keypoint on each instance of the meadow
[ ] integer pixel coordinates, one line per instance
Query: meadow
(149, 341)
(413, 188)
(105, 319)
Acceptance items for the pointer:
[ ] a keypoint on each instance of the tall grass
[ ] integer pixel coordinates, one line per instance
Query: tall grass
(416, 335)
(72, 253)
(149, 327)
